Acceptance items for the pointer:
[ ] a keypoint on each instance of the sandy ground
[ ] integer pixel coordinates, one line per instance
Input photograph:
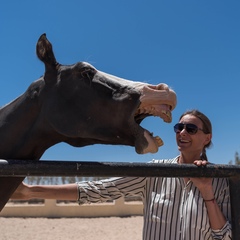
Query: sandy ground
(112, 228)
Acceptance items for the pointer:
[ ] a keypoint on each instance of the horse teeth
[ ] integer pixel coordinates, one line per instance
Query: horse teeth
(152, 111)
(159, 141)
(164, 112)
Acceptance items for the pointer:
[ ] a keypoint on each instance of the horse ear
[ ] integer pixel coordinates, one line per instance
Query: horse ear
(45, 54)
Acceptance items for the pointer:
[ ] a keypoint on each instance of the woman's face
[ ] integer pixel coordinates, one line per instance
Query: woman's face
(192, 143)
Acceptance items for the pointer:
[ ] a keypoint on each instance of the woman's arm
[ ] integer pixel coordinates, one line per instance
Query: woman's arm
(90, 191)
(58, 192)
(204, 185)
(215, 215)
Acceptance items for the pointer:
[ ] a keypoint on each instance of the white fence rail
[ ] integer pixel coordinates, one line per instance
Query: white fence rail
(52, 209)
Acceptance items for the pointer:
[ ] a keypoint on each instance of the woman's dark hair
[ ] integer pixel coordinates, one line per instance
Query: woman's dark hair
(207, 127)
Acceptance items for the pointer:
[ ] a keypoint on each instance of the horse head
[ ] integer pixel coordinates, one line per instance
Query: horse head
(86, 106)
(79, 105)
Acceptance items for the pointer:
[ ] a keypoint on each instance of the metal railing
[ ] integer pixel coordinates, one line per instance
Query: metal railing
(22, 168)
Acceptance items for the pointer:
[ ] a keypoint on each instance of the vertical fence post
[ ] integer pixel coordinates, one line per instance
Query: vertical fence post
(235, 209)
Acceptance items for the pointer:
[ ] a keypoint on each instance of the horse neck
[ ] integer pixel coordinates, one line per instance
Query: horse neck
(19, 130)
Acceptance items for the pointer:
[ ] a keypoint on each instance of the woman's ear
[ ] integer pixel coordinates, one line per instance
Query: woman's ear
(208, 138)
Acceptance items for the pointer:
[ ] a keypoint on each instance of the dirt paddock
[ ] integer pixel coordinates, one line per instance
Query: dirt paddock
(112, 228)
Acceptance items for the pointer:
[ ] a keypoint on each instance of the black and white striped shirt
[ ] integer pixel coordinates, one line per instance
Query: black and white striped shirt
(173, 210)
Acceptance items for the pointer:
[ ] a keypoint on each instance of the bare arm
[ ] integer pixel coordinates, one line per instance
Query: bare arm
(58, 192)
(216, 217)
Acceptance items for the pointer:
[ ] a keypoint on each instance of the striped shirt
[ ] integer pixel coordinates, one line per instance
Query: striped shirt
(173, 210)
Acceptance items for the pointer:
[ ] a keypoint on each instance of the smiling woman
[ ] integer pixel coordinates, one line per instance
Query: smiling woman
(174, 208)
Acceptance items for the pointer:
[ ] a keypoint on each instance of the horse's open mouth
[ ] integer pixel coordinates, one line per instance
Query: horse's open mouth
(155, 100)
(163, 111)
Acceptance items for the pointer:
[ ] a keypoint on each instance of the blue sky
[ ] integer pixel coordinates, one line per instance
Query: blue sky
(192, 45)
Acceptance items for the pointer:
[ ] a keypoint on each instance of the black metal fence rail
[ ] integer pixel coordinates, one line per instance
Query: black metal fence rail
(16, 168)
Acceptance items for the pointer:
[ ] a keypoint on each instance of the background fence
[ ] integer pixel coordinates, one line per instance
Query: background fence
(50, 208)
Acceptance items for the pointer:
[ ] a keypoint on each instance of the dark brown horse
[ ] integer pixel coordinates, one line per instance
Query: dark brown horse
(79, 105)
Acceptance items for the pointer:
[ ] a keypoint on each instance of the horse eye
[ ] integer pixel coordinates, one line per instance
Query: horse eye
(87, 72)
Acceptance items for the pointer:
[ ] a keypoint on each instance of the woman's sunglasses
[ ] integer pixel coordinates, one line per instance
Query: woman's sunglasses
(189, 127)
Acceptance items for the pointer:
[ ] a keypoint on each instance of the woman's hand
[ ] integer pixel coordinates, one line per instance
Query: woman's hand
(21, 193)
(204, 185)
(200, 162)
